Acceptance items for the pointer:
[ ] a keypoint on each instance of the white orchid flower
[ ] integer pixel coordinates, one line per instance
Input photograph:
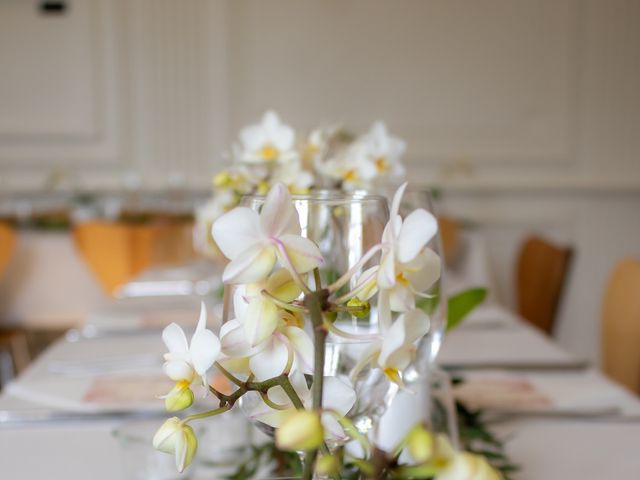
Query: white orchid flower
(255, 304)
(294, 176)
(268, 336)
(269, 141)
(338, 396)
(187, 361)
(382, 154)
(398, 346)
(407, 266)
(253, 242)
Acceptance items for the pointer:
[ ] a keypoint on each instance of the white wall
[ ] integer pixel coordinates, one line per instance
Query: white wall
(527, 113)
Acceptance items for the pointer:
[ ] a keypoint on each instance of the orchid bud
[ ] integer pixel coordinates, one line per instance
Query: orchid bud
(177, 438)
(468, 465)
(327, 465)
(420, 443)
(302, 430)
(179, 398)
(222, 180)
(361, 308)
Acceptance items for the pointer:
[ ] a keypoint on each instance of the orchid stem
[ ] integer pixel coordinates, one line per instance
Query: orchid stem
(314, 302)
(232, 378)
(210, 413)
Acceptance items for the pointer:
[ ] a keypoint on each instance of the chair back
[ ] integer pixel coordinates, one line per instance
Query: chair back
(7, 245)
(620, 326)
(117, 251)
(541, 275)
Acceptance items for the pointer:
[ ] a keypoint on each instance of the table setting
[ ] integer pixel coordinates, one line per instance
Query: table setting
(324, 337)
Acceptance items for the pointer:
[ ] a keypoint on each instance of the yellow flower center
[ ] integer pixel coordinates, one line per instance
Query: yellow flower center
(269, 153)
(182, 384)
(393, 375)
(402, 279)
(381, 165)
(350, 176)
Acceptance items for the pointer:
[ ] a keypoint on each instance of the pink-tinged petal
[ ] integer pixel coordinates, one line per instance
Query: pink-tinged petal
(271, 360)
(416, 231)
(261, 320)
(205, 349)
(338, 394)
(236, 231)
(174, 338)
(178, 370)
(303, 348)
(428, 271)
(390, 231)
(387, 271)
(302, 252)
(278, 215)
(251, 266)
(401, 298)
(397, 200)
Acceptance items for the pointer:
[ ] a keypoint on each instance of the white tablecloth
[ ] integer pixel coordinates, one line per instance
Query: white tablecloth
(552, 448)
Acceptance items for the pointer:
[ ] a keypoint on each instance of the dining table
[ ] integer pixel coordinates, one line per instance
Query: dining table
(587, 428)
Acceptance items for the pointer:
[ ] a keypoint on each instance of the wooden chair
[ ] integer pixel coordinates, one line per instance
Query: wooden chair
(541, 274)
(116, 251)
(7, 245)
(450, 236)
(620, 335)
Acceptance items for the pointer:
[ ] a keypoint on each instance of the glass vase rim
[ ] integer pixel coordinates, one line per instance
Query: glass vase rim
(327, 196)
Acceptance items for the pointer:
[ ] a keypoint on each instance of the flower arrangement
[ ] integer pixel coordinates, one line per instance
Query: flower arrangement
(270, 152)
(274, 350)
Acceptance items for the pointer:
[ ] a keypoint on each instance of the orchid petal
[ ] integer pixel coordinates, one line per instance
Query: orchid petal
(401, 298)
(205, 349)
(233, 339)
(278, 215)
(417, 324)
(251, 266)
(202, 320)
(236, 231)
(338, 394)
(174, 338)
(427, 273)
(178, 370)
(181, 451)
(302, 252)
(384, 311)
(280, 284)
(261, 320)
(393, 343)
(387, 271)
(368, 283)
(303, 347)
(416, 231)
(270, 361)
(397, 199)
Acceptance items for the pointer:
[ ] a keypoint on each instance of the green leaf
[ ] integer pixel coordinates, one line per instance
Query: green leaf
(461, 304)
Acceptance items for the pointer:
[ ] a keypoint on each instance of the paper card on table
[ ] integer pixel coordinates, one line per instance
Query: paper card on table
(130, 390)
(501, 394)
